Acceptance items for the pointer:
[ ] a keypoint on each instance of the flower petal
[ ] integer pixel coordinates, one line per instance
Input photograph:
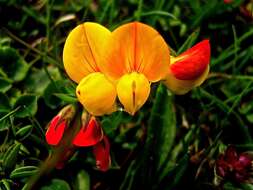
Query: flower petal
(90, 134)
(192, 63)
(101, 152)
(83, 48)
(97, 94)
(133, 90)
(59, 123)
(136, 47)
(55, 130)
(181, 87)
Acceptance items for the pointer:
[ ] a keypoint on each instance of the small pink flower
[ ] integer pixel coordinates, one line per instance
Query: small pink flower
(234, 166)
(228, 1)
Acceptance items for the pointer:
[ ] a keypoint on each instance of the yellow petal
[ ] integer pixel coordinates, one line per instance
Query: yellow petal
(136, 47)
(133, 90)
(97, 94)
(83, 48)
(183, 86)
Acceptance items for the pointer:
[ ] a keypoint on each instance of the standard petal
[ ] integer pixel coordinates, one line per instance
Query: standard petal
(101, 152)
(181, 87)
(83, 48)
(192, 63)
(89, 134)
(133, 90)
(97, 94)
(136, 47)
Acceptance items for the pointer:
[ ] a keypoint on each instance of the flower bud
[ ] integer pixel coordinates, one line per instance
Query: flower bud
(90, 134)
(190, 69)
(58, 124)
(101, 152)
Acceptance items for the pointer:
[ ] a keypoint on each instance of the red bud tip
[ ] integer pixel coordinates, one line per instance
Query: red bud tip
(89, 135)
(55, 130)
(228, 1)
(101, 152)
(193, 62)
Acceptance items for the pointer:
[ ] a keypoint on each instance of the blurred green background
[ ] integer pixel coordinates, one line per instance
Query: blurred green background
(176, 149)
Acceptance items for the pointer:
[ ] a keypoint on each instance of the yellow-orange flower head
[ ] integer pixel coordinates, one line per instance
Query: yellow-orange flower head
(136, 55)
(125, 62)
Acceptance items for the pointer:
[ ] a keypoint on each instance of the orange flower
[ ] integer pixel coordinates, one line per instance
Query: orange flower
(190, 69)
(135, 56)
(130, 57)
(125, 62)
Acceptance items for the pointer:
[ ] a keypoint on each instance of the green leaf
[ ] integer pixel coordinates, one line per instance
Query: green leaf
(174, 176)
(57, 87)
(28, 106)
(4, 183)
(229, 186)
(24, 132)
(162, 126)
(36, 81)
(4, 102)
(82, 181)
(23, 172)
(12, 64)
(66, 98)
(57, 184)
(5, 85)
(10, 157)
(189, 42)
(247, 186)
(145, 170)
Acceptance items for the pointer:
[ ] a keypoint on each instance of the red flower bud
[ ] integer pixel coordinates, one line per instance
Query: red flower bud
(228, 1)
(90, 134)
(192, 63)
(58, 124)
(101, 152)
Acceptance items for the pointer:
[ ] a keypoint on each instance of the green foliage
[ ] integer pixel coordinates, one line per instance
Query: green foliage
(57, 184)
(13, 67)
(172, 142)
(27, 104)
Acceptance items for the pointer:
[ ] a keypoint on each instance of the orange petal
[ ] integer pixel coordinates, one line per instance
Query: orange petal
(192, 63)
(102, 154)
(181, 87)
(136, 47)
(89, 135)
(83, 48)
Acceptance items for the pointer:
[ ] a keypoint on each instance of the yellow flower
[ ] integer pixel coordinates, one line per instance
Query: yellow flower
(136, 55)
(82, 54)
(125, 62)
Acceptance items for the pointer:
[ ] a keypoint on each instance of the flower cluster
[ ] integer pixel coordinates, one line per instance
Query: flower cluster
(63, 130)
(234, 166)
(120, 64)
(123, 63)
